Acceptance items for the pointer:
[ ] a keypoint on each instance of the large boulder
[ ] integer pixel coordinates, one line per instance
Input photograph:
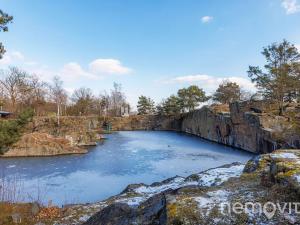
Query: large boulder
(151, 212)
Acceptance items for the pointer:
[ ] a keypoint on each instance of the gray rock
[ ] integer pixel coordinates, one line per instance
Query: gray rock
(151, 212)
(16, 217)
(35, 209)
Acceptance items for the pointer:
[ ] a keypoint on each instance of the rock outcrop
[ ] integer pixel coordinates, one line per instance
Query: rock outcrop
(80, 131)
(245, 125)
(151, 212)
(44, 137)
(42, 144)
(200, 198)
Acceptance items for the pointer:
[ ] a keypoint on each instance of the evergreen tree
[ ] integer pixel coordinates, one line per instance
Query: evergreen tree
(191, 97)
(145, 105)
(278, 80)
(5, 19)
(172, 105)
(10, 130)
(227, 92)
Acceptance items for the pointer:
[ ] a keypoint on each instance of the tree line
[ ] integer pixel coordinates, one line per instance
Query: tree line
(190, 98)
(278, 83)
(20, 90)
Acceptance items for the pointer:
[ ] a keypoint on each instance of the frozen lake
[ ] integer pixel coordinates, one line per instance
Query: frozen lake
(124, 158)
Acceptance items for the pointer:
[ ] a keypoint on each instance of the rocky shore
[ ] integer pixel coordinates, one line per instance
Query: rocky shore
(42, 144)
(248, 125)
(43, 137)
(270, 181)
(198, 198)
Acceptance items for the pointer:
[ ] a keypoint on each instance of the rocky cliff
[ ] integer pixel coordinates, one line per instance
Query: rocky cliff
(245, 125)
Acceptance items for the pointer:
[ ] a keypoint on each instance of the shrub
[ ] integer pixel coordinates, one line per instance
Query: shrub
(11, 130)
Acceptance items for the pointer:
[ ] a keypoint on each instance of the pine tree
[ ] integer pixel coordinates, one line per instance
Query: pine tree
(278, 80)
(145, 105)
(227, 92)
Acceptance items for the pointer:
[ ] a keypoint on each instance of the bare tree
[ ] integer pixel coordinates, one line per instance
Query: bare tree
(58, 95)
(117, 99)
(15, 85)
(103, 103)
(83, 99)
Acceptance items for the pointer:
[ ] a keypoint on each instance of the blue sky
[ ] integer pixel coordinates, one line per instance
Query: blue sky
(150, 47)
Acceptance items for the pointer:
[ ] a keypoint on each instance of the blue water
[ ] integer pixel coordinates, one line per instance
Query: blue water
(125, 157)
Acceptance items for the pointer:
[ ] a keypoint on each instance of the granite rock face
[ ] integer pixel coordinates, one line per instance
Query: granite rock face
(151, 212)
(244, 125)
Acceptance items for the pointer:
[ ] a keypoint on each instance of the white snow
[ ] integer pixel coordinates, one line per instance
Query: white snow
(213, 199)
(11, 166)
(208, 178)
(286, 155)
(134, 201)
(177, 182)
(219, 175)
(297, 177)
(84, 218)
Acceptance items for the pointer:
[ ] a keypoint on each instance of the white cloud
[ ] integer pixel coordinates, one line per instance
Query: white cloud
(298, 47)
(73, 70)
(12, 57)
(211, 83)
(108, 66)
(31, 63)
(291, 6)
(95, 70)
(17, 55)
(206, 19)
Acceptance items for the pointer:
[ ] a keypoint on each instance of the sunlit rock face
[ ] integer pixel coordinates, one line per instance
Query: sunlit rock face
(42, 144)
(281, 167)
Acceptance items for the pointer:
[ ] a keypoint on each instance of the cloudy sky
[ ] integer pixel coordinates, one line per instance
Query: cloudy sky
(150, 47)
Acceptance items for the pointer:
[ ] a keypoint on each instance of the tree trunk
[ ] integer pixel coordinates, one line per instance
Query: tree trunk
(58, 112)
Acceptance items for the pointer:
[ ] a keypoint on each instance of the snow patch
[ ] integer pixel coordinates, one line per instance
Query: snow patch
(11, 166)
(219, 175)
(177, 182)
(208, 178)
(84, 218)
(134, 201)
(297, 177)
(284, 155)
(213, 199)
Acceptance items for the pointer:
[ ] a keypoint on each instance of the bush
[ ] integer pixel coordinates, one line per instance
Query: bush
(11, 130)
